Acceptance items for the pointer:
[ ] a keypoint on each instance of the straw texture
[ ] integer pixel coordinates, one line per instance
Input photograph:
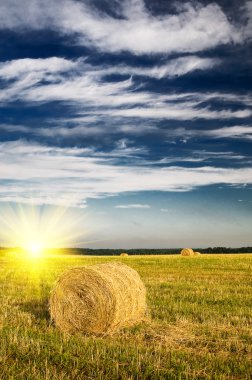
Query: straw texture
(98, 299)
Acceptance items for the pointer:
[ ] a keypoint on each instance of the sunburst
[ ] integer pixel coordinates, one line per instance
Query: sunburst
(35, 229)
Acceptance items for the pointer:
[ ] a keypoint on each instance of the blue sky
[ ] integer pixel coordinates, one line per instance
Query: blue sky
(135, 114)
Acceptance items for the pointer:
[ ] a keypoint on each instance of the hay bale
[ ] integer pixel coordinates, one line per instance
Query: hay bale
(187, 252)
(98, 299)
(124, 254)
(196, 253)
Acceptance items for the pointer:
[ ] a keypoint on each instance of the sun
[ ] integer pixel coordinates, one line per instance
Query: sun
(34, 249)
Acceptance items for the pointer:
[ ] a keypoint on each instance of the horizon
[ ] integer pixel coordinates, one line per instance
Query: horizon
(128, 249)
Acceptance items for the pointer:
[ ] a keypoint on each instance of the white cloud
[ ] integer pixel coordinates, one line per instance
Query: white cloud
(84, 87)
(206, 155)
(237, 131)
(178, 111)
(183, 65)
(15, 128)
(21, 67)
(66, 132)
(192, 29)
(174, 67)
(164, 210)
(233, 132)
(71, 175)
(133, 206)
(80, 130)
(44, 67)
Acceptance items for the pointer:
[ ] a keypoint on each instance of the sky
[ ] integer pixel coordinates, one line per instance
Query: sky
(135, 116)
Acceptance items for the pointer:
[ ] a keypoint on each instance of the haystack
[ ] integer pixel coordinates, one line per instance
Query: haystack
(98, 299)
(196, 253)
(124, 254)
(187, 252)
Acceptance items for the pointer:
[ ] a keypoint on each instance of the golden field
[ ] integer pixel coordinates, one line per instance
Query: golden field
(199, 323)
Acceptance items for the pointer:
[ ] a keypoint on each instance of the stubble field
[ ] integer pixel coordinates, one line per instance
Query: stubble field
(199, 324)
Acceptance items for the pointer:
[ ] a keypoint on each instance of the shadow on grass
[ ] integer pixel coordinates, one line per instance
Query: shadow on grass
(39, 308)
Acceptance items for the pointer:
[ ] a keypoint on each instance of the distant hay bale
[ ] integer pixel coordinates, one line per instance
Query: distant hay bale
(98, 299)
(187, 252)
(196, 253)
(124, 254)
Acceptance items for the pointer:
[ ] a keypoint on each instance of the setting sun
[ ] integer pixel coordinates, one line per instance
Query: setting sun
(35, 249)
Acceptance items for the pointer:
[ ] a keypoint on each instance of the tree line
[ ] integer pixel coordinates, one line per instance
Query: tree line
(153, 251)
(144, 251)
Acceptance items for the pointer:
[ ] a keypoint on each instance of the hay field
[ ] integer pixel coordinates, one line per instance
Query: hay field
(201, 324)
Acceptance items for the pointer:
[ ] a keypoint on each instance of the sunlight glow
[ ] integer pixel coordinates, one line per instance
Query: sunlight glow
(37, 229)
(35, 249)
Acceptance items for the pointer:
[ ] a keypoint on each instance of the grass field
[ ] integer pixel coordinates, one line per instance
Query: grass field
(200, 327)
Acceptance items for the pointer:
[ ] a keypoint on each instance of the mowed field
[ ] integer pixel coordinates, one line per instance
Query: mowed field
(199, 326)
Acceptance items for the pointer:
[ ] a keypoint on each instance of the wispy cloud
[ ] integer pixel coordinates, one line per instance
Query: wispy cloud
(179, 111)
(83, 86)
(192, 29)
(78, 84)
(15, 128)
(133, 206)
(244, 200)
(195, 156)
(174, 67)
(38, 67)
(231, 132)
(238, 131)
(71, 175)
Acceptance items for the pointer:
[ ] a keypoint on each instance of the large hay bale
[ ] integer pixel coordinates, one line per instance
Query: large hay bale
(187, 252)
(98, 299)
(124, 254)
(196, 253)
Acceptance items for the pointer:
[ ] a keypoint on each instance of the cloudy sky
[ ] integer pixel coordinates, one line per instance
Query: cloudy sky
(136, 114)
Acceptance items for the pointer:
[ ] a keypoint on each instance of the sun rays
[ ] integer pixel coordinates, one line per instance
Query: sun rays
(36, 229)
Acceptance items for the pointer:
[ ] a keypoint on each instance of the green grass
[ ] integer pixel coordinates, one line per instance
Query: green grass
(200, 328)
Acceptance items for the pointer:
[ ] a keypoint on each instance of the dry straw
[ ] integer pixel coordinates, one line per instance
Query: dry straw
(124, 254)
(98, 299)
(187, 252)
(196, 253)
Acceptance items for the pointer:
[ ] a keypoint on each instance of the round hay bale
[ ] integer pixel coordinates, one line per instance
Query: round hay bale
(98, 299)
(196, 253)
(187, 252)
(124, 254)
